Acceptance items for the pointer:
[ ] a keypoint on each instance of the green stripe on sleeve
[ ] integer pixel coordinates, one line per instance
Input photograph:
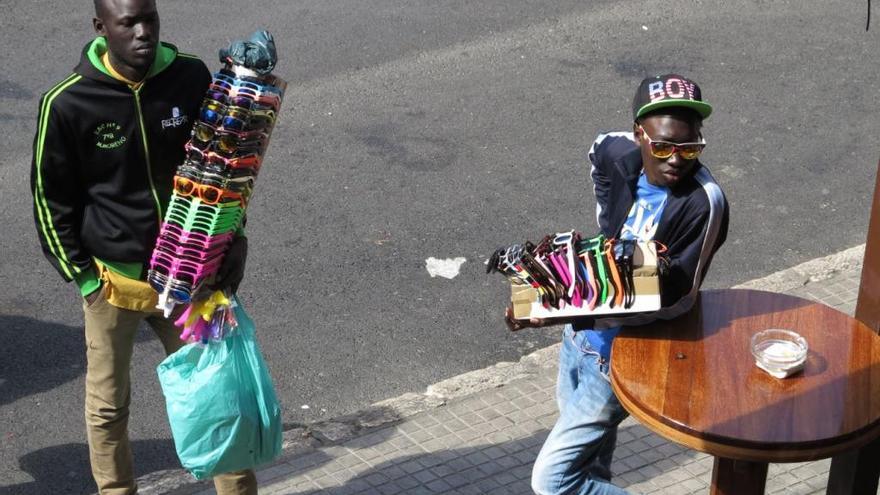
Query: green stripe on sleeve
(43, 212)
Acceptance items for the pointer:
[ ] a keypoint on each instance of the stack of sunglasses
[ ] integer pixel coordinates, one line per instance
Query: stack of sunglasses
(566, 270)
(214, 184)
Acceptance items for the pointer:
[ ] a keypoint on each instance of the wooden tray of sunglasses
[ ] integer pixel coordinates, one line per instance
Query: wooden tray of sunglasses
(526, 301)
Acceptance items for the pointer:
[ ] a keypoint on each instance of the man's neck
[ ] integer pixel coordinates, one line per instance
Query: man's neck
(133, 74)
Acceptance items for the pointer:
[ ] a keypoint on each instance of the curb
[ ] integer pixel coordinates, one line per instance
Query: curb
(307, 437)
(808, 272)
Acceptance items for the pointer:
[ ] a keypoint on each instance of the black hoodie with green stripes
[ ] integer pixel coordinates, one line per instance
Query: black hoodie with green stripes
(105, 156)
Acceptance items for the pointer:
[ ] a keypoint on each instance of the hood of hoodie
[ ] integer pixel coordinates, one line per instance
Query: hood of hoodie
(91, 66)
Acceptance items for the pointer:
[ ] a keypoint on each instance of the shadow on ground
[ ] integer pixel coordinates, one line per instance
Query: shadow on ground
(39, 356)
(500, 468)
(65, 468)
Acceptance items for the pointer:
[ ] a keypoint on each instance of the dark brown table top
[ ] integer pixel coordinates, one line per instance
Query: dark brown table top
(694, 379)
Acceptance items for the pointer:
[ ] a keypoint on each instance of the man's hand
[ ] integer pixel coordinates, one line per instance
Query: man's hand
(231, 272)
(514, 325)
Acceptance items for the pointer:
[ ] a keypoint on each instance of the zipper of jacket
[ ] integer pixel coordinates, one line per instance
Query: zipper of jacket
(140, 114)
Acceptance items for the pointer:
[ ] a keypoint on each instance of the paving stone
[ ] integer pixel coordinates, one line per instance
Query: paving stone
(424, 476)
(693, 485)
(407, 482)
(429, 461)
(438, 486)
(817, 482)
(468, 435)
(425, 420)
(638, 446)
(471, 404)
(419, 436)
(393, 472)
(418, 490)
(489, 414)
(477, 458)
(487, 484)
(493, 397)
(523, 472)
(491, 468)
(632, 477)
(349, 460)
(412, 467)
(508, 462)
(505, 408)
(469, 490)
(494, 452)
(634, 461)
(525, 457)
(510, 392)
(274, 472)
(437, 431)
(455, 480)
(472, 474)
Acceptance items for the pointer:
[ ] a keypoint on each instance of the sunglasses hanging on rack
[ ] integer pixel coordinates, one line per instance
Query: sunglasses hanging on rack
(566, 272)
(213, 187)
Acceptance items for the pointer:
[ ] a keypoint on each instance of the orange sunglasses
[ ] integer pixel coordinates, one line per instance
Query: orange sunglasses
(208, 194)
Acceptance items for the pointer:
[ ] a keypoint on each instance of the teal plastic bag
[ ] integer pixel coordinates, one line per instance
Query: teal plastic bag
(221, 404)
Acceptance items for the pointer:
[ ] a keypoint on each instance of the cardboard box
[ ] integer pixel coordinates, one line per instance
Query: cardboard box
(526, 301)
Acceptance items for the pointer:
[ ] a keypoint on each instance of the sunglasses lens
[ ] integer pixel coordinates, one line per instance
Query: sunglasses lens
(217, 96)
(194, 156)
(249, 161)
(227, 143)
(183, 186)
(241, 102)
(203, 132)
(662, 150)
(690, 152)
(210, 195)
(233, 122)
(212, 113)
(180, 295)
(262, 120)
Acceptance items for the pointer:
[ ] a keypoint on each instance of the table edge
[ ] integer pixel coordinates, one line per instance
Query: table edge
(735, 448)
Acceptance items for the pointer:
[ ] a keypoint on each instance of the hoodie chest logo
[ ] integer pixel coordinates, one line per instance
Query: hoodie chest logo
(176, 119)
(108, 136)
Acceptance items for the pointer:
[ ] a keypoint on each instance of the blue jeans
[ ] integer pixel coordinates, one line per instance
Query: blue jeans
(576, 457)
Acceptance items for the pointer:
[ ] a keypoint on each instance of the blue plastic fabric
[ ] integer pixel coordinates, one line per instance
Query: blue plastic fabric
(221, 404)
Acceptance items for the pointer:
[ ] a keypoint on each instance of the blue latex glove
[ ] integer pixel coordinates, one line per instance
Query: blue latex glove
(256, 53)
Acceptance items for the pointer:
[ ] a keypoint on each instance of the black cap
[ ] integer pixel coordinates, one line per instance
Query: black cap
(669, 90)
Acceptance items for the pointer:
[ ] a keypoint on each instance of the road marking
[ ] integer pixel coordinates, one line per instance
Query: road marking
(446, 268)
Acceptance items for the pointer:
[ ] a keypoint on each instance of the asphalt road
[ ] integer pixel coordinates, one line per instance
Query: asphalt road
(434, 128)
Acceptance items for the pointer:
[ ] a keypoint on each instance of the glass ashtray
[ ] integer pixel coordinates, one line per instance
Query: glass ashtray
(779, 352)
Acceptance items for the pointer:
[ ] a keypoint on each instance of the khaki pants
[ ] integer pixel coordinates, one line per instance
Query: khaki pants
(110, 335)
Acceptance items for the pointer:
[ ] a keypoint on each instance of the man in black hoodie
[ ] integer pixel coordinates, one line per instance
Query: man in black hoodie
(109, 138)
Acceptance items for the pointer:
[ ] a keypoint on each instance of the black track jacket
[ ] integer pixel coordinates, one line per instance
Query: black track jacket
(105, 156)
(693, 224)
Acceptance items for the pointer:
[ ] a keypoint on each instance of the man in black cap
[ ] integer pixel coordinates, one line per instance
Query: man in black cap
(649, 185)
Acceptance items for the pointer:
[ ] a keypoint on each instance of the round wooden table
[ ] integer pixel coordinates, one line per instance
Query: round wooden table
(693, 380)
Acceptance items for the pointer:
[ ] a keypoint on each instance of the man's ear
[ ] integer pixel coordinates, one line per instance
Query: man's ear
(98, 24)
(637, 133)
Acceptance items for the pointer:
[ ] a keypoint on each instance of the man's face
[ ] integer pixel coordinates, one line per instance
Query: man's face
(674, 129)
(132, 31)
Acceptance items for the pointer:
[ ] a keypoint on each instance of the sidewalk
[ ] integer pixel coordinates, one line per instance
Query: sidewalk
(486, 435)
